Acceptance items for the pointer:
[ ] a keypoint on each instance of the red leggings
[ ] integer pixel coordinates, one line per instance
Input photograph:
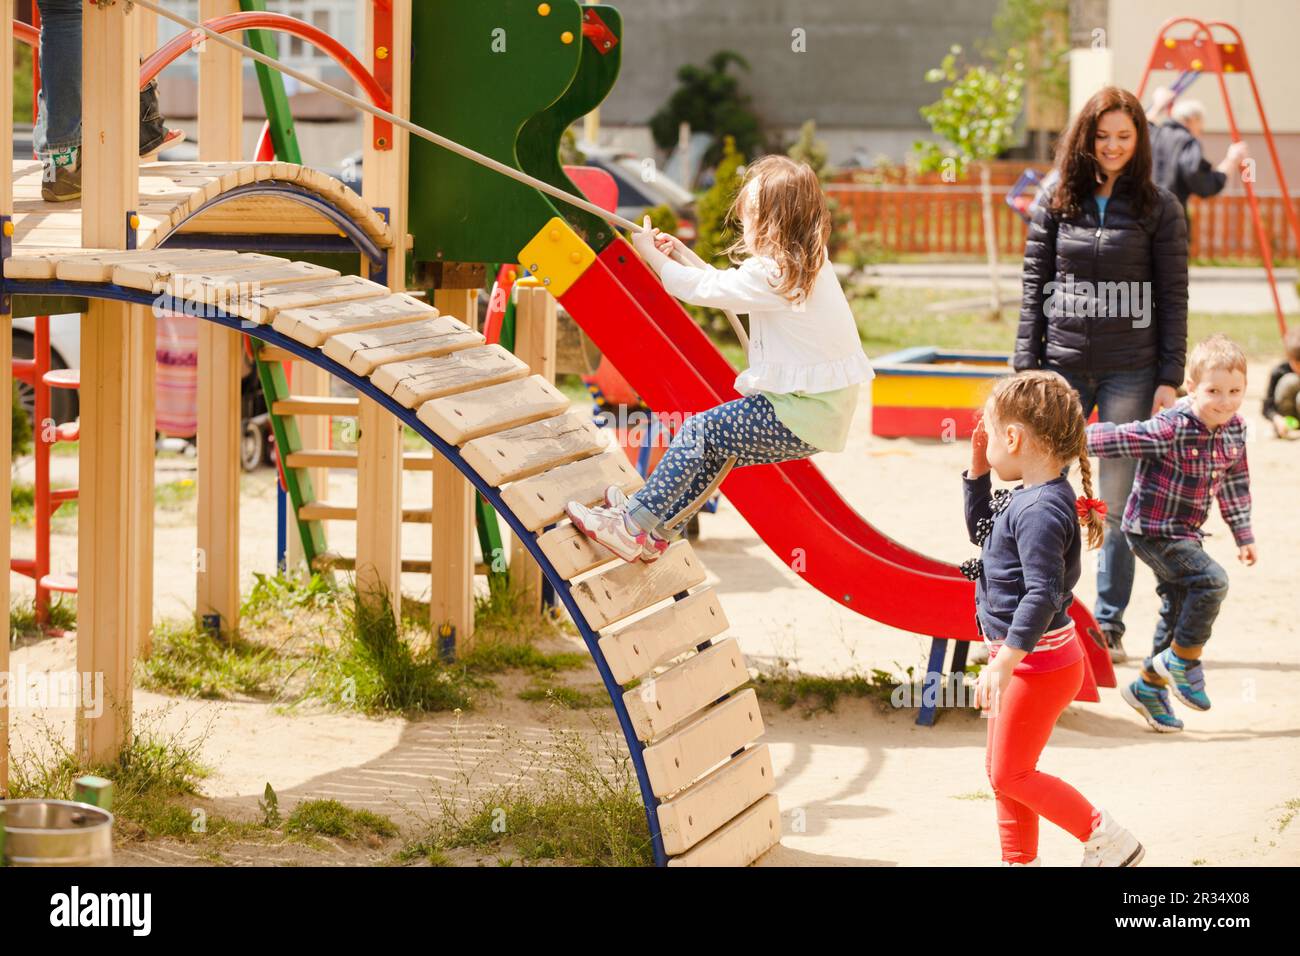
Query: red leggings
(1027, 712)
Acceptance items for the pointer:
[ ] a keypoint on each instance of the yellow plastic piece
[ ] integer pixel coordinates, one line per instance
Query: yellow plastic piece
(9, 229)
(381, 53)
(543, 9)
(557, 256)
(566, 36)
(1169, 42)
(1229, 48)
(135, 222)
(1196, 64)
(1228, 68)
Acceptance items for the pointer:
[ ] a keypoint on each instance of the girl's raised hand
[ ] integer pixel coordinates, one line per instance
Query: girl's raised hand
(979, 450)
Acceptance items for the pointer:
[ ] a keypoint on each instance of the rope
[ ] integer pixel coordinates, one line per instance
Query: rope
(464, 151)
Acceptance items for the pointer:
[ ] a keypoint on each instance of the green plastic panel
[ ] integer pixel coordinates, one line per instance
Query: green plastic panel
(479, 71)
(539, 143)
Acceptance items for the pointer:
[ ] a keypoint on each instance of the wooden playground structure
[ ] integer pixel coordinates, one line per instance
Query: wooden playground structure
(201, 237)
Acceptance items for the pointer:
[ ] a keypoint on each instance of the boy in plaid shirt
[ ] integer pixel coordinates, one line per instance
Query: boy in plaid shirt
(1187, 455)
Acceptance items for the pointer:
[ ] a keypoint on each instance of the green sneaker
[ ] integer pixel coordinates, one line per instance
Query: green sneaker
(61, 181)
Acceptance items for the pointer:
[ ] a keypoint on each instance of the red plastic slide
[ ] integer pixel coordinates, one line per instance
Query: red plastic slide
(652, 340)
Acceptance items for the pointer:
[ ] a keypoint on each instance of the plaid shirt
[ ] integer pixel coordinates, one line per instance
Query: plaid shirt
(1182, 465)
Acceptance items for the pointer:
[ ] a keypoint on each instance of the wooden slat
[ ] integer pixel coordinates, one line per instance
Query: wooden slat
(313, 325)
(238, 281)
(337, 458)
(265, 305)
(702, 744)
(273, 353)
(412, 383)
(102, 267)
(628, 588)
(315, 405)
(740, 842)
(457, 419)
(657, 705)
(363, 352)
(637, 649)
(704, 807)
(347, 562)
(324, 511)
(531, 449)
(571, 552)
(540, 500)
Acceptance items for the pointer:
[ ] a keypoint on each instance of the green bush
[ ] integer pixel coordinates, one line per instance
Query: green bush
(20, 435)
(711, 102)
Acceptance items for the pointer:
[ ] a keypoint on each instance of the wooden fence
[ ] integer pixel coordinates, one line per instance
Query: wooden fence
(922, 214)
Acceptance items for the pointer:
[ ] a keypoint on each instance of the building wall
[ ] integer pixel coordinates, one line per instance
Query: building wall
(1270, 30)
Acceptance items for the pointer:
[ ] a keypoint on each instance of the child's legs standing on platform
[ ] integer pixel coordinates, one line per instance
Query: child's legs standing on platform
(1018, 731)
(744, 432)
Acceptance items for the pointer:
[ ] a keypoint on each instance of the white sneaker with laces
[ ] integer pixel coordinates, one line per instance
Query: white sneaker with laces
(652, 547)
(605, 526)
(1111, 845)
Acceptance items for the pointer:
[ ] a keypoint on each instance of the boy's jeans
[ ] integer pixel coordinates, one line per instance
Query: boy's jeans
(58, 124)
(1191, 585)
(1119, 397)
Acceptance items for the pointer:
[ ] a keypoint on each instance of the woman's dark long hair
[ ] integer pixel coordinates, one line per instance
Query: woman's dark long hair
(1076, 155)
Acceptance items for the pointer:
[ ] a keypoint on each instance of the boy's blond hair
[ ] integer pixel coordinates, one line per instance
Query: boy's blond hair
(1292, 343)
(1218, 351)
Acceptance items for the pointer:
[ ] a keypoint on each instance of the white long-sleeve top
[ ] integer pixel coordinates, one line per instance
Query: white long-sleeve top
(812, 349)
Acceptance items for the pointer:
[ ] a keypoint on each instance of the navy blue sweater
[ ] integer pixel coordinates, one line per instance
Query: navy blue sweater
(1031, 559)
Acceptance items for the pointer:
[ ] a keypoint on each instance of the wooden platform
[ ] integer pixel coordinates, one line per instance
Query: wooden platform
(170, 193)
(658, 624)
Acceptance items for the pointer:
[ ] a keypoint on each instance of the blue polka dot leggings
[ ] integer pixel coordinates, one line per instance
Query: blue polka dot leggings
(735, 434)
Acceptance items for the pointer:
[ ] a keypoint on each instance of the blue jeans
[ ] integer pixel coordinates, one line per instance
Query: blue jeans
(1191, 585)
(1118, 397)
(735, 434)
(58, 125)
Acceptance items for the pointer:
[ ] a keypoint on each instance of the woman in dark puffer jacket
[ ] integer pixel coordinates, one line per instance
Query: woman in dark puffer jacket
(1105, 300)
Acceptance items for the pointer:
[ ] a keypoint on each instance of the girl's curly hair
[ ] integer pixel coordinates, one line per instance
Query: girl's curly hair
(792, 222)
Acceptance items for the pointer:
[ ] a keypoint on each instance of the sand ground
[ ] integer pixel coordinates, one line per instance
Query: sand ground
(860, 786)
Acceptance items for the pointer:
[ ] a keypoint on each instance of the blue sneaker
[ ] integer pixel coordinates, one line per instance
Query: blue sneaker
(1153, 704)
(1186, 677)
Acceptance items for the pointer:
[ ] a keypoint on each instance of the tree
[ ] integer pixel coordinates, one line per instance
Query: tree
(976, 116)
(714, 233)
(1037, 33)
(710, 101)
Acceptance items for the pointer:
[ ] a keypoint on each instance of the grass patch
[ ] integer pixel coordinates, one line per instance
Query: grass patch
(374, 670)
(62, 616)
(329, 818)
(815, 694)
(189, 660)
(585, 810)
(281, 595)
(22, 505)
(570, 698)
(1289, 811)
(152, 776)
(174, 495)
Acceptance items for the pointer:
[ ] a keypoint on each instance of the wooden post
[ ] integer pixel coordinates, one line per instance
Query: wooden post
(6, 398)
(379, 442)
(216, 562)
(451, 589)
(535, 344)
(314, 430)
(116, 478)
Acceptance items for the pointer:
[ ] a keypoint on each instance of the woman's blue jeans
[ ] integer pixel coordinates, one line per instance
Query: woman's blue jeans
(1118, 397)
(58, 124)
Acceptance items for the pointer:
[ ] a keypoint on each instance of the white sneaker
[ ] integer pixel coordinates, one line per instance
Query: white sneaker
(1036, 861)
(652, 547)
(1111, 845)
(605, 526)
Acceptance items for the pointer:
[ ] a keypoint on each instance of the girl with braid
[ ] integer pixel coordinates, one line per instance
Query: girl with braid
(1031, 431)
